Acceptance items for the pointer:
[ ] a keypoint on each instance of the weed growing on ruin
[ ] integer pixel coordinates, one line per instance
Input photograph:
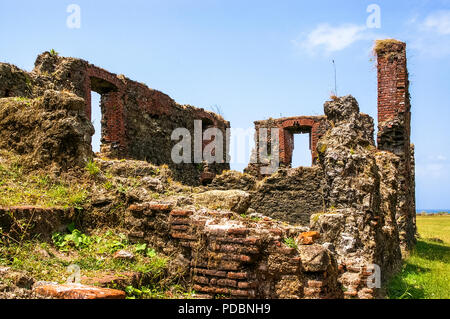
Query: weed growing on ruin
(384, 47)
(108, 185)
(92, 168)
(290, 242)
(74, 239)
(252, 218)
(322, 148)
(122, 189)
(53, 53)
(157, 292)
(25, 100)
(146, 251)
(315, 217)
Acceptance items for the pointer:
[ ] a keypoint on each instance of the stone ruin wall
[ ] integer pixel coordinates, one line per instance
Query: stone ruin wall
(361, 212)
(292, 194)
(137, 122)
(394, 117)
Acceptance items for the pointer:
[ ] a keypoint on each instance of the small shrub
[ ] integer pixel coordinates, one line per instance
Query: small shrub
(75, 239)
(144, 250)
(322, 148)
(122, 189)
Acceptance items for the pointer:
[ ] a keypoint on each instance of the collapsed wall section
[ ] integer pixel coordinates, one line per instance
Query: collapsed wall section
(227, 256)
(49, 131)
(291, 195)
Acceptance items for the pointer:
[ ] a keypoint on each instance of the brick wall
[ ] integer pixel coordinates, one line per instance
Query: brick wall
(392, 82)
(313, 125)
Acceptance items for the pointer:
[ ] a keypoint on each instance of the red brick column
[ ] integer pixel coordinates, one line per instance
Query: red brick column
(113, 99)
(114, 115)
(393, 96)
(394, 127)
(286, 140)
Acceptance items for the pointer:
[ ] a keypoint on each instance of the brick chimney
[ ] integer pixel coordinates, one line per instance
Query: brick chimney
(394, 129)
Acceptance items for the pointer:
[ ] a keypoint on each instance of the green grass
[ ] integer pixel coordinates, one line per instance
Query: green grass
(251, 218)
(18, 187)
(426, 273)
(92, 253)
(92, 168)
(155, 292)
(290, 242)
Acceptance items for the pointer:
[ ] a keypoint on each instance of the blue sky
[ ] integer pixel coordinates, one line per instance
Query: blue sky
(257, 59)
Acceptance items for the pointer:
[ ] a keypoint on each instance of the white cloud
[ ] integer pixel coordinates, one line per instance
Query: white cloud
(412, 20)
(332, 38)
(432, 170)
(430, 35)
(438, 21)
(437, 158)
(436, 166)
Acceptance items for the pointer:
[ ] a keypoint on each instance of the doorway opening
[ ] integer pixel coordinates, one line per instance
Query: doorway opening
(301, 154)
(96, 119)
(100, 90)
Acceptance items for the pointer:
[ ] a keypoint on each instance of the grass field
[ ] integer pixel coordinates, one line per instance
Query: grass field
(426, 273)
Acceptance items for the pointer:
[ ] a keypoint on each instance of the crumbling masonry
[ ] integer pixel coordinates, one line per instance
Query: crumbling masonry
(352, 213)
(394, 118)
(137, 122)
